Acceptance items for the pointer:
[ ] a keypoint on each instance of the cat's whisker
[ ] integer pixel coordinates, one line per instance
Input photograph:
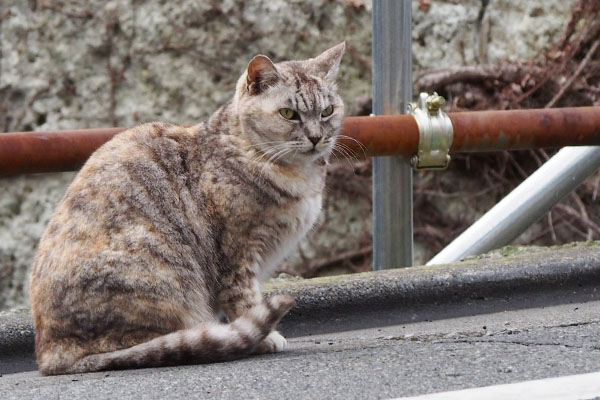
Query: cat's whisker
(267, 152)
(344, 153)
(336, 157)
(257, 157)
(342, 148)
(271, 152)
(362, 147)
(262, 154)
(348, 150)
(256, 145)
(267, 148)
(278, 155)
(340, 152)
(272, 157)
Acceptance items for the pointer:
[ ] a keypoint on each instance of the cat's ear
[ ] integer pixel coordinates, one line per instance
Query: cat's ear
(327, 64)
(261, 74)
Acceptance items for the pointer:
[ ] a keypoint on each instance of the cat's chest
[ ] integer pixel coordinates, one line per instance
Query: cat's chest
(307, 211)
(299, 220)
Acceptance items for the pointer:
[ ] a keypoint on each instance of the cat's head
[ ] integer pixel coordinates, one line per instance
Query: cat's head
(290, 112)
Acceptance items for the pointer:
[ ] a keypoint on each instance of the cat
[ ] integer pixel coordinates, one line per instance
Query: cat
(167, 227)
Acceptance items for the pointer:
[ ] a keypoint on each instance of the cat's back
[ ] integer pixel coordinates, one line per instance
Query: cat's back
(162, 144)
(137, 171)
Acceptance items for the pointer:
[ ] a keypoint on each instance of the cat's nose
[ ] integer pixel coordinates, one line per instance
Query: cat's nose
(314, 140)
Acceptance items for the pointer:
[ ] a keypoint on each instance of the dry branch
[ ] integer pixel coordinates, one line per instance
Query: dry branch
(435, 79)
(570, 81)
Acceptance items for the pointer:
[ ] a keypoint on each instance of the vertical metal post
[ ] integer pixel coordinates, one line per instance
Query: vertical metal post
(392, 176)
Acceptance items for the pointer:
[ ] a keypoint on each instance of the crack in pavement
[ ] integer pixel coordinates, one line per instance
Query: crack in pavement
(524, 343)
(572, 324)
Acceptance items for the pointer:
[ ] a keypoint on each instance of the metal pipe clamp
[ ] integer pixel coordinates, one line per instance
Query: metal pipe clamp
(435, 133)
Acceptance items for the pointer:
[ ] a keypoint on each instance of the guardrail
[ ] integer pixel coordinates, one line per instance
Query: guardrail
(477, 131)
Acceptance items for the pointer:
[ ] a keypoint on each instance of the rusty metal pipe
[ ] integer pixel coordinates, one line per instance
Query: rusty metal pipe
(382, 135)
(478, 131)
(52, 151)
(525, 129)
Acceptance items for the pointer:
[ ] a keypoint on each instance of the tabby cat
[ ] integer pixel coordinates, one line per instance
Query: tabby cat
(165, 228)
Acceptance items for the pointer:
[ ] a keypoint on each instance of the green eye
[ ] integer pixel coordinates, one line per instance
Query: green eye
(327, 112)
(288, 113)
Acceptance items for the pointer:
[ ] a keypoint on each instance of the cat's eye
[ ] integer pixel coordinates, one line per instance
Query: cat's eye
(288, 113)
(327, 112)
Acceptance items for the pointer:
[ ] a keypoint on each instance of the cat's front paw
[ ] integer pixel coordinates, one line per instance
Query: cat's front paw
(273, 343)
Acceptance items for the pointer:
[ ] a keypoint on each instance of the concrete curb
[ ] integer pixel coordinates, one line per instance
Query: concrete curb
(16, 333)
(511, 278)
(490, 283)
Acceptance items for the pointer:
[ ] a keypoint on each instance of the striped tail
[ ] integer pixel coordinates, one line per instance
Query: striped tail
(209, 342)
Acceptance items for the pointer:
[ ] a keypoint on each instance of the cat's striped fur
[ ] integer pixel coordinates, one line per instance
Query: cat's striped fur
(166, 226)
(207, 342)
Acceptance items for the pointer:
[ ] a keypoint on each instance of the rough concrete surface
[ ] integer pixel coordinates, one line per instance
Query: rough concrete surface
(378, 363)
(379, 301)
(92, 63)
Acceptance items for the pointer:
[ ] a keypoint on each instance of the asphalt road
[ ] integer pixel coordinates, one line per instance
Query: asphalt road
(395, 361)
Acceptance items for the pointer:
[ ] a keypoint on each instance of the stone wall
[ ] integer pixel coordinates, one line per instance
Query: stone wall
(91, 63)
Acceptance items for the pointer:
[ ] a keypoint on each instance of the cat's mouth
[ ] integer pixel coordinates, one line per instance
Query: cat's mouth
(313, 151)
(316, 150)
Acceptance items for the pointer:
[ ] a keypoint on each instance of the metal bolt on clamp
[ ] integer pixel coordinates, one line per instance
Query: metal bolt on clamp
(435, 133)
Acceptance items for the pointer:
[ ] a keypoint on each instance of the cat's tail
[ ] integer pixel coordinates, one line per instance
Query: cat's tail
(209, 342)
